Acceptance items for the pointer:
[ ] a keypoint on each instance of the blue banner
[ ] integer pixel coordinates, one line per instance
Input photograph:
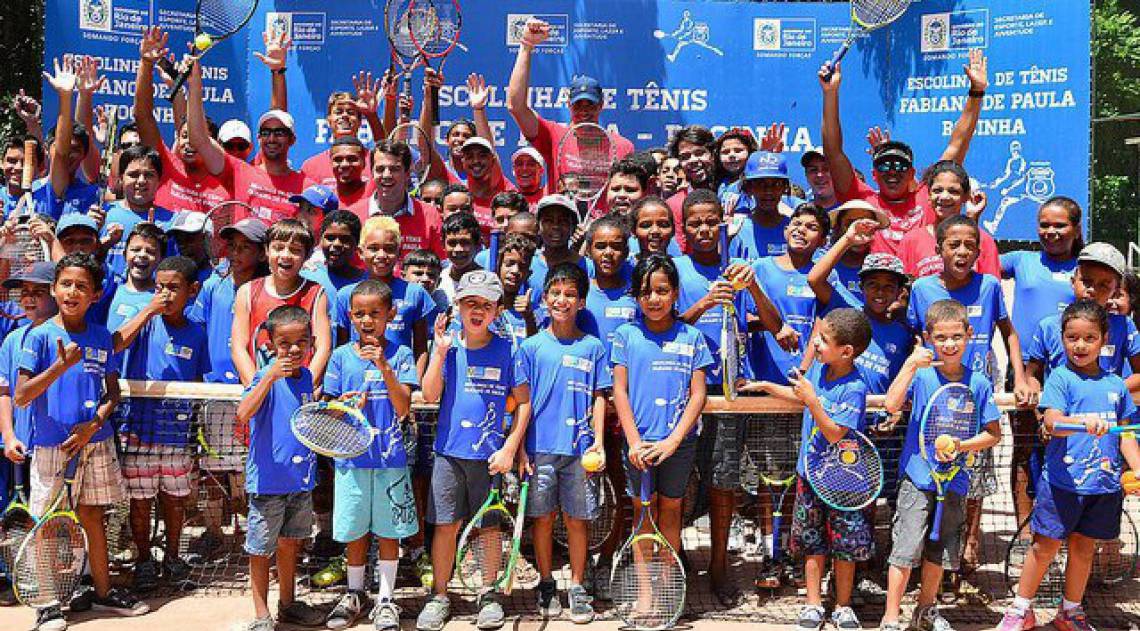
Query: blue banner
(669, 63)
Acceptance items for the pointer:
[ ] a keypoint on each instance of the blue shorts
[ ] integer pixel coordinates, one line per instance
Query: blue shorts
(561, 482)
(670, 477)
(458, 488)
(1057, 513)
(377, 501)
(271, 516)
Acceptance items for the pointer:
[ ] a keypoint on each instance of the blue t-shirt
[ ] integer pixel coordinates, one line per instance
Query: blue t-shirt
(214, 309)
(472, 409)
(844, 400)
(755, 242)
(119, 213)
(847, 278)
(1122, 344)
(926, 382)
(660, 368)
(1042, 287)
(672, 249)
(984, 307)
(412, 302)
(563, 376)
(162, 352)
(8, 201)
(695, 282)
(1082, 463)
(333, 283)
(278, 463)
(606, 310)
(73, 397)
(78, 198)
(10, 351)
(795, 300)
(348, 372)
(126, 304)
(891, 343)
(99, 311)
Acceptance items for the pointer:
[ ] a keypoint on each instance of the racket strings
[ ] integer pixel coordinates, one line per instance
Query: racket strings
(485, 553)
(435, 25)
(331, 431)
(648, 584)
(871, 13)
(50, 563)
(585, 162)
(223, 17)
(14, 527)
(849, 474)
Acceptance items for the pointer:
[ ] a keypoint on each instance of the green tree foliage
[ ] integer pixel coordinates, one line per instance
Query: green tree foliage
(21, 52)
(1116, 57)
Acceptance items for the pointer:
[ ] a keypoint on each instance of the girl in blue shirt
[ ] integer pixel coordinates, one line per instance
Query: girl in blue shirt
(651, 221)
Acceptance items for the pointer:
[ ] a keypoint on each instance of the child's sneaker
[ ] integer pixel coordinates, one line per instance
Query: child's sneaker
(810, 618)
(435, 614)
(491, 614)
(145, 576)
(548, 604)
(386, 616)
(50, 619)
(300, 614)
(928, 618)
(1072, 620)
(581, 607)
(893, 625)
(1017, 620)
(120, 602)
(347, 610)
(844, 618)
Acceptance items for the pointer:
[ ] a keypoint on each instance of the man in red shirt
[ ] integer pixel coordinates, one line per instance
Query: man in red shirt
(345, 115)
(236, 139)
(906, 200)
(586, 103)
(349, 158)
(485, 180)
(420, 223)
(527, 167)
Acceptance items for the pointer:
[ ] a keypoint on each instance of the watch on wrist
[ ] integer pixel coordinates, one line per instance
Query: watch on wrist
(977, 94)
(278, 71)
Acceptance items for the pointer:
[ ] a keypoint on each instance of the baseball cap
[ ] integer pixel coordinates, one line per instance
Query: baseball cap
(883, 262)
(532, 152)
(811, 154)
(764, 165)
(479, 283)
(189, 221)
(1105, 254)
(555, 201)
(318, 195)
(281, 116)
(583, 87)
(253, 229)
(40, 272)
(893, 149)
(477, 141)
(75, 220)
(234, 129)
(865, 208)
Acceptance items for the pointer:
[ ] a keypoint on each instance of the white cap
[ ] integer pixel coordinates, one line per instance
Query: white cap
(529, 151)
(281, 116)
(477, 141)
(234, 128)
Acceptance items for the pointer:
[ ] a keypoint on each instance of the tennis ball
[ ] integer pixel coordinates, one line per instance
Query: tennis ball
(944, 443)
(1129, 482)
(512, 404)
(203, 41)
(592, 461)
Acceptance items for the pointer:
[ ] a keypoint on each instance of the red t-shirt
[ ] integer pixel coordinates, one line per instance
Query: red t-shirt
(200, 191)
(534, 197)
(267, 194)
(919, 253)
(909, 213)
(546, 142)
(318, 168)
(675, 203)
(420, 229)
(483, 207)
(356, 202)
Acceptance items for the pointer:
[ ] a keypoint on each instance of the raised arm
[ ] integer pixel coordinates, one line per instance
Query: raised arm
(63, 82)
(151, 49)
(277, 44)
(368, 96)
(978, 73)
(29, 111)
(842, 173)
(860, 232)
(89, 81)
(479, 95)
(921, 357)
(213, 156)
(528, 121)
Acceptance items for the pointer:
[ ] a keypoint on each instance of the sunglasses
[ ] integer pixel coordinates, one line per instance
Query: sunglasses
(280, 132)
(886, 166)
(240, 145)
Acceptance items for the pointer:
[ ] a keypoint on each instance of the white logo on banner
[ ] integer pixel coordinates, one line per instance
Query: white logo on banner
(765, 34)
(688, 32)
(1022, 179)
(559, 28)
(95, 15)
(935, 32)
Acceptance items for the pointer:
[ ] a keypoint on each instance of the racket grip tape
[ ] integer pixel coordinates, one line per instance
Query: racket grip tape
(646, 486)
(434, 95)
(776, 552)
(936, 527)
(723, 235)
(1080, 427)
(835, 59)
(72, 467)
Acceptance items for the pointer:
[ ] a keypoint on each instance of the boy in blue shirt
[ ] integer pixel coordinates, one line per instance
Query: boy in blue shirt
(373, 493)
(835, 401)
(140, 170)
(280, 471)
(340, 236)
(561, 372)
(155, 433)
(144, 249)
(948, 331)
(69, 375)
(470, 374)
(761, 232)
(1079, 498)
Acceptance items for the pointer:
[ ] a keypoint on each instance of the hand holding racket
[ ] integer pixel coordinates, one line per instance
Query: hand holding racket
(1096, 427)
(337, 429)
(866, 16)
(950, 417)
(214, 22)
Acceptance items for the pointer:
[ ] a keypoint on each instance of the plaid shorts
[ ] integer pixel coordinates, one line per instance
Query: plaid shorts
(98, 481)
(149, 469)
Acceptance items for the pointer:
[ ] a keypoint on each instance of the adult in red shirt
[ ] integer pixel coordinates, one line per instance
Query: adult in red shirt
(352, 186)
(905, 200)
(186, 182)
(527, 167)
(586, 102)
(485, 180)
(693, 148)
(345, 114)
(420, 223)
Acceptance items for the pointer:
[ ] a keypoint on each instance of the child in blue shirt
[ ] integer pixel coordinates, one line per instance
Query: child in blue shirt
(140, 170)
(280, 471)
(373, 493)
(155, 433)
(518, 320)
(470, 374)
(652, 229)
(561, 372)
(948, 331)
(660, 365)
(69, 375)
(144, 249)
(835, 400)
(340, 238)
(764, 184)
(1079, 498)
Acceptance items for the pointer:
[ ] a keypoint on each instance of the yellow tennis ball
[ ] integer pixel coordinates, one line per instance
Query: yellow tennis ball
(944, 443)
(512, 404)
(592, 461)
(203, 41)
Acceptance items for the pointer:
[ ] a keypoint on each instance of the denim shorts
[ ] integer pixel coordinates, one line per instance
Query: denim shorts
(288, 516)
(561, 482)
(458, 488)
(914, 515)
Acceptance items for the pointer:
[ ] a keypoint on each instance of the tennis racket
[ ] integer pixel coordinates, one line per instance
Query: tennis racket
(109, 151)
(419, 142)
(866, 16)
(598, 530)
(847, 475)
(583, 160)
(516, 536)
(434, 27)
(778, 488)
(486, 543)
(214, 22)
(951, 413)
(729, 331)
(647, 582)
(1080, 427)
(22, 249)
(337, 429)
(17, 521)
(46, 568)
(405, 55)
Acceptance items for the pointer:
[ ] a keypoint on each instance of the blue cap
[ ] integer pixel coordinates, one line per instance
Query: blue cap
(40, 272)
(765, 164)
(320, 196)
(587, 88)
(75, 220)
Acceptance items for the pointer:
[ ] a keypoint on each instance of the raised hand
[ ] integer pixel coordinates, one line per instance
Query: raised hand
(830, 84)
(277, 45)
(433, 79)
(443, 338)
(152, 47)
(89, 80)
(477, 91)
(875, 137)
(536, 32)
(977, 70)
(367, 92)
(27, 108)
(773, 139)
(69, 355)
(64, 79)
(389, 85)
(862, 231)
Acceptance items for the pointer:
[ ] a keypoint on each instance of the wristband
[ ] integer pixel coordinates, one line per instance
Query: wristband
(977, 94)
(278, 71)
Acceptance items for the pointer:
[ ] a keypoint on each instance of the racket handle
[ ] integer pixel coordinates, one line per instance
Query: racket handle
(835, 59)
(936, 527)
(72, 467)
(723, 234)
(28, 174)
(646, 486)
(1080, 427)
(776, 552)
(434, 94)
(493, 255)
